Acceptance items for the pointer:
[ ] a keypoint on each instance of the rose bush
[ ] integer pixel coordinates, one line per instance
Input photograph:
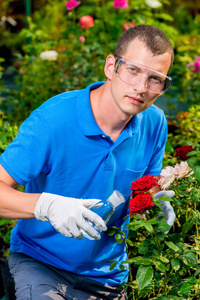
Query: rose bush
(165, 266)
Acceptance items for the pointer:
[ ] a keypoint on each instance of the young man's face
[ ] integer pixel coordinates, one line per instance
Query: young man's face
(132, 99)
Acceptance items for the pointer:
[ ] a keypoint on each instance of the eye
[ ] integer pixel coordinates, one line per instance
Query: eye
(132, 70)
(156, 79)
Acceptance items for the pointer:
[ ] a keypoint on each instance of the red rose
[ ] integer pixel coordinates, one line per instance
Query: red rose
(182, 151)
(140, 203)
(86, 22)
(144, 184)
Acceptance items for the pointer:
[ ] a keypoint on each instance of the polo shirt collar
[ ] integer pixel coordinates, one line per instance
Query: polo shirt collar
(86, 118)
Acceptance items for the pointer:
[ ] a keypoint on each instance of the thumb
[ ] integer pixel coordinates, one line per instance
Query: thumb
(164, 193)
(92, 203)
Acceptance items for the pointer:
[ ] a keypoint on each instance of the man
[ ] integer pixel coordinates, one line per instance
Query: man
(83, 145)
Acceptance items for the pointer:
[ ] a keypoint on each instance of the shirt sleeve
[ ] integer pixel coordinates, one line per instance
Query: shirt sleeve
(156, 163)
(29, 152)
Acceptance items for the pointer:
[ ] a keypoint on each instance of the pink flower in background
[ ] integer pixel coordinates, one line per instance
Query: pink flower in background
(86, 22)
(82, 38)
(195, 64)
(128, 25)
(71, 4)
(120, 4)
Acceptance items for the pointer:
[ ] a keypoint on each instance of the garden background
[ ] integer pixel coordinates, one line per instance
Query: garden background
(48, 47)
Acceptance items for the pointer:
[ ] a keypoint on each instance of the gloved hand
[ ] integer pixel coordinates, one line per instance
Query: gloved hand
(70, 216)
(168, 211)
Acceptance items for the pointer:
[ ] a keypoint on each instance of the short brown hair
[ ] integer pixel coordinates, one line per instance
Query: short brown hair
(154, 38)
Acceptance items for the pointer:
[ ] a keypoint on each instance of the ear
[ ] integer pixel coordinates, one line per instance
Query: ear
(109, 66)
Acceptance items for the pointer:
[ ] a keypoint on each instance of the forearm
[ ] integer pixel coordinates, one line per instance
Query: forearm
(15, 204)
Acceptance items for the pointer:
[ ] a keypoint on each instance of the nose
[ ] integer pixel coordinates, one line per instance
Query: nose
(140, 86)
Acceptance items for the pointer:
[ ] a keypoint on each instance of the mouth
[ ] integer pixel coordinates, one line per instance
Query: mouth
(134, 100)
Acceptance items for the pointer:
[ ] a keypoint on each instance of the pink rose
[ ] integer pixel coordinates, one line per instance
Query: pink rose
(71, 4)
(120, 4)
(82, 38)
(86, 22)
(195, 64)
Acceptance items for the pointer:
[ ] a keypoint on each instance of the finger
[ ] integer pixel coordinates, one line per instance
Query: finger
(65, 232)
(94, 218)
(92, 203)
(74, 228)
(89, 229)
(86, 235)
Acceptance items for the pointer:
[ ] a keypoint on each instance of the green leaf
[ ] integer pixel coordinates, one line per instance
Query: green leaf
(164, 227)
(168, 148)
(192, 153)
(193, 162)
(111, 231)
(197, 173)
(148, 227)
(113, 265)
(187, 226)
(189, 259)
(165, 17)
(165, 198)
(175, 264)
(172, 246)
(129, 242)
(142, 249)
(144, 276)
(118, 238)
(159, 266)
(164, 259)
(152, 221)
(143, 261)
(185, 288)
(169, 297)
(122, 267)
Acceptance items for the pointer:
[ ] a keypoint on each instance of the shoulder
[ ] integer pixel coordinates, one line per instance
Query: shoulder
(154, 115)
(58, 102)
(57, 109)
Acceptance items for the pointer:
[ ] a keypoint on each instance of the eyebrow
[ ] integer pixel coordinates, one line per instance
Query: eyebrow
(130, 62)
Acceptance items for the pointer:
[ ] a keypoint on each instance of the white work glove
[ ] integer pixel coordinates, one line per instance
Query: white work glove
(168, 211)
(70, 216)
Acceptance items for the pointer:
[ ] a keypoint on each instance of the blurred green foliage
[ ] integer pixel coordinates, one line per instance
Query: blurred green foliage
(80, 63)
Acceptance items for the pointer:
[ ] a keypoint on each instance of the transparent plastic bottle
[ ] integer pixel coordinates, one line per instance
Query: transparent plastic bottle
(108, 208)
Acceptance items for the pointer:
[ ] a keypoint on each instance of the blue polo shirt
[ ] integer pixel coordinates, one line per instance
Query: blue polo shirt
(60, 149)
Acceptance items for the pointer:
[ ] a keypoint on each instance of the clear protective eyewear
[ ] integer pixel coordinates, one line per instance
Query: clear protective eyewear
(133, 73)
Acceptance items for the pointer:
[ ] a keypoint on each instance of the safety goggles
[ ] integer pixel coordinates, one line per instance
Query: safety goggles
(133, 73)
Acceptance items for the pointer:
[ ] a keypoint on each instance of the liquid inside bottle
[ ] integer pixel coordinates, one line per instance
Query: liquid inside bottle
(108, 208)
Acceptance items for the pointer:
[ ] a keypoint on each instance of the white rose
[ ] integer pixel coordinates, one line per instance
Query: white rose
(153, 3)
(181, 170)
(49, 55)
(166, 177)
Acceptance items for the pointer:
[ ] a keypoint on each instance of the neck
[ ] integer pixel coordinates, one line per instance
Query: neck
(106, 113)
